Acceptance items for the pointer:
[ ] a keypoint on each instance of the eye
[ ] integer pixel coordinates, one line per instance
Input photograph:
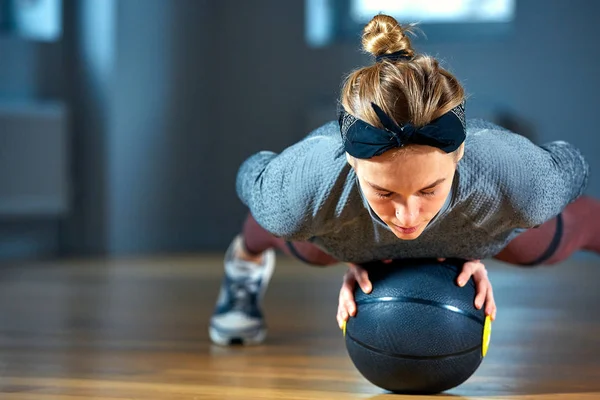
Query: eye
(428, 193)
(383, 195)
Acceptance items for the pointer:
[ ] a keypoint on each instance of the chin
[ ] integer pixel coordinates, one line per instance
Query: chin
(404, 236)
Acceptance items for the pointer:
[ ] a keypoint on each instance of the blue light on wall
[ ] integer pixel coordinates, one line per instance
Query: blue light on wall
(435, 11)
(31, 19)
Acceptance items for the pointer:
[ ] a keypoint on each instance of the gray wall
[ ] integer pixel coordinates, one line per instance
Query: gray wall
(162, 181)
(89, 43)
(18, 68)
(28, 71)
(186, 90)
(140, 96)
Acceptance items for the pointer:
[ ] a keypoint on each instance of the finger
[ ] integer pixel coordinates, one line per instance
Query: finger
(347, 299)
(341, 317)
(347, 290)
(348, 282)
(479, 268)
(490, 303)
(362, 277)
(441, 259)
(482, 288)
(350, 307)
(343, 312)
(349, 277)
(472, 269)
(465, 274)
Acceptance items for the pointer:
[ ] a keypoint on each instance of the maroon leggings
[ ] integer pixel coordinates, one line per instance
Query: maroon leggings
(576, 228)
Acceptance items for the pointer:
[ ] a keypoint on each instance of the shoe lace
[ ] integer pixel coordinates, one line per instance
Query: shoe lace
(243, 294)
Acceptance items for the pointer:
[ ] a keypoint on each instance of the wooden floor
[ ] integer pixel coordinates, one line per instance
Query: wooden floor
(137, 329)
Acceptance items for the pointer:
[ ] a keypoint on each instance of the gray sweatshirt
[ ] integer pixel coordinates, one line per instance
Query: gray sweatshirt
(504, 185)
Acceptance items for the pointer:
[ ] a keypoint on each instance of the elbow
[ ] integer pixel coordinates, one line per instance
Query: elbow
(280, 224)
(532, 220)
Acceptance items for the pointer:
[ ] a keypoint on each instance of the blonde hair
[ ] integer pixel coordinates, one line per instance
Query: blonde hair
(416, 90)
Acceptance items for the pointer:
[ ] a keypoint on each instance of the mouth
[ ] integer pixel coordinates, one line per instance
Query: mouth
(405, 230)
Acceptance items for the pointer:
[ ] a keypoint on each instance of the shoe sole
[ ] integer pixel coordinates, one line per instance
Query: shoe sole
(222, 339)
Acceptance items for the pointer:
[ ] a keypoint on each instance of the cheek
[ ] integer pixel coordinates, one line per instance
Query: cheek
(432, 207)
(383, 208)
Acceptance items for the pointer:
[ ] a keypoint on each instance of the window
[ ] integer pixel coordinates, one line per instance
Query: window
(329, 21)
(31, 19)
(436, 11)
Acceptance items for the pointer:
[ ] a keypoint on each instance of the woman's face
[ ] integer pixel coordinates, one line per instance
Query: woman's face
(407, 190)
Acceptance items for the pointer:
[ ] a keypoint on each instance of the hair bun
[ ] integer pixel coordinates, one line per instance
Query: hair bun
(384, 35)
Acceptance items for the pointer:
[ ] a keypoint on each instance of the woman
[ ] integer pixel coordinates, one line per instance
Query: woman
(402, 174)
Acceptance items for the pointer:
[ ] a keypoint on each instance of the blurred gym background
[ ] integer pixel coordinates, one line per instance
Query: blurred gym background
(123, 122)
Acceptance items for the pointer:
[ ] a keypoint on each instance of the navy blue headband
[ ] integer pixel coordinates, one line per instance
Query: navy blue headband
(362, 140)
(396, 56)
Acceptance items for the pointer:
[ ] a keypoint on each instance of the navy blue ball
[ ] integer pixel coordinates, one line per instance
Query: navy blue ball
(417, 332)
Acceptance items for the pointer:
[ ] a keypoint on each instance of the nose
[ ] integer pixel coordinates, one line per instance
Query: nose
(407, 214)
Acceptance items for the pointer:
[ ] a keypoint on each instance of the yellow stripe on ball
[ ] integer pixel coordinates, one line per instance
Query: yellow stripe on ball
(487, 334)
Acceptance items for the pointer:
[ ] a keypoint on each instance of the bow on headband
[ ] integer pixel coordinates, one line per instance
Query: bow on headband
(362, 140)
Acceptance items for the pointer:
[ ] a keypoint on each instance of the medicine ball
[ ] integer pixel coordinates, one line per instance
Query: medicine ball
(417, 332)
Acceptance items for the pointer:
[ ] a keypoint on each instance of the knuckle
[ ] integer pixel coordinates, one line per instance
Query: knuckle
(343, 296)
(343, 289)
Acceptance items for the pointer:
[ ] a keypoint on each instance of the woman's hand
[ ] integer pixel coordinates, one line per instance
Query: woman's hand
(346, 304)
(483, 286)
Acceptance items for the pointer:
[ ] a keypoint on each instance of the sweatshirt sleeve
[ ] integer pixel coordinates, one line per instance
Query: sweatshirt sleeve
(523, 184)
(298, 193)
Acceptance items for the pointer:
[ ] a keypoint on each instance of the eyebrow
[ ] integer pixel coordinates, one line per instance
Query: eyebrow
(434, 184)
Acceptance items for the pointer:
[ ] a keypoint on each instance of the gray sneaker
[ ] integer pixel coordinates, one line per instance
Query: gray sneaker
(238, 318)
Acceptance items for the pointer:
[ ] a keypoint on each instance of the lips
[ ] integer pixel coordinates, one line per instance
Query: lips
(406, 231)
